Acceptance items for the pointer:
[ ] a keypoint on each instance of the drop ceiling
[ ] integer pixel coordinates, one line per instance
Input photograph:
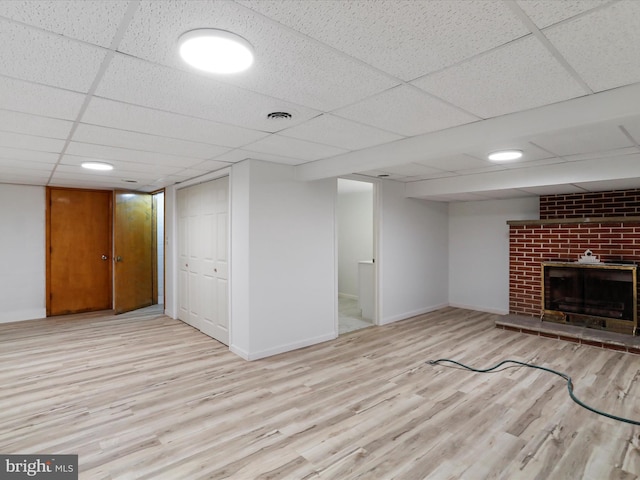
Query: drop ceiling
(416, 91)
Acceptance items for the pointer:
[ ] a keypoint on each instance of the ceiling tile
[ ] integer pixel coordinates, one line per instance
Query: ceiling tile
(596, 138)
(155, 122)
(531, 152)
(30, 142)
(39, 100)
(100, 19)
(142, 141)
(288, 65)
(28, 155)
(120, 166)
(74, 171)
(48, 59)
(456, 162)
(114, 153)
(518, 76)
(407, 111)
(338, 132)
(134, 81)
(31, 166)
(34, 125)
(547, 12)
(412, 169)
(27, 179)
(235, 156)
(603, 45)
(473, 171)
(616, 152)
(206, 166)
(299, 150)
(387, 34)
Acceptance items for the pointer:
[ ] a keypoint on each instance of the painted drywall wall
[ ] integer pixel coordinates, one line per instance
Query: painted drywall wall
(479, 251)
(412, 264)
(355, 233)
(282, 260)
(22, 248)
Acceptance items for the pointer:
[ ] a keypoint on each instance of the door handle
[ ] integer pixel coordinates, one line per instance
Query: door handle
(104, 257)
(118, 258)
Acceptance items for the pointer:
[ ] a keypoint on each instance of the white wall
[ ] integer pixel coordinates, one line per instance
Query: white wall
(22, 248)
(479, 251)
(412, 263)
(283, 280)
(355, 234)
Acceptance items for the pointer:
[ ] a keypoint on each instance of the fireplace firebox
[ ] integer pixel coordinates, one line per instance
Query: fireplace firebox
(599, 295)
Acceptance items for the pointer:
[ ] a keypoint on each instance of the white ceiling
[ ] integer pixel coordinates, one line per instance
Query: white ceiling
(416, 90)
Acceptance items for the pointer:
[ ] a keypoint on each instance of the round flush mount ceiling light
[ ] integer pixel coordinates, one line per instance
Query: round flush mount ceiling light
(505, 155)
(97, 165)
(215, 51)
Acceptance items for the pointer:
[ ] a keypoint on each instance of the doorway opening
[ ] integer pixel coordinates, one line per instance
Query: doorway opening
(356, 259)
(158, 219)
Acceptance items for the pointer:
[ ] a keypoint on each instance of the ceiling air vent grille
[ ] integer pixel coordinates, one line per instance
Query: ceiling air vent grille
(279, 116)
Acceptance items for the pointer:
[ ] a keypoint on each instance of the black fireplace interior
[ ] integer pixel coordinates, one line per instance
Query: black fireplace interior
(589, 291)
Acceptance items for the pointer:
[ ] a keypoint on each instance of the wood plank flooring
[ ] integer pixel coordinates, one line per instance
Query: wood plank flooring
(142, 396)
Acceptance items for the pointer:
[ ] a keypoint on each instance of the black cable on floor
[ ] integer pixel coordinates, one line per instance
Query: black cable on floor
(530, 365)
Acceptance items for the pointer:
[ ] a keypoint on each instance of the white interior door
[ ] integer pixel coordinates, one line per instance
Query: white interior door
(215, 265)
(203, 216)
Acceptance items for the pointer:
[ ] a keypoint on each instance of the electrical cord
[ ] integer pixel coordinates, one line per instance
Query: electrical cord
(530, 365)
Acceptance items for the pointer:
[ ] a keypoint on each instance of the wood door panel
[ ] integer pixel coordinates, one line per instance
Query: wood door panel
(79, 235)
(133, 277)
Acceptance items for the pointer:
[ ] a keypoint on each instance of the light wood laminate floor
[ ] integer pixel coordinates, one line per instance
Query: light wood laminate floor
(142, 396)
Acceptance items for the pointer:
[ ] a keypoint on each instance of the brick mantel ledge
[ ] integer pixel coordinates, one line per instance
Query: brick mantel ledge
(564, 221)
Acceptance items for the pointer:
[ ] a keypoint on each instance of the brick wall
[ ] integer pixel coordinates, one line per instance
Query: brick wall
(618, 203)
(534, 243)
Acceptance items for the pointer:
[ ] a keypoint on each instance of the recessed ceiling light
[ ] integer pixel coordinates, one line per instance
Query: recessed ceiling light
(215, 51)
(97, 165)
(505, 155)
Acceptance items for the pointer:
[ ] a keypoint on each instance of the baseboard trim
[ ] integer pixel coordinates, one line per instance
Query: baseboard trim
(415, 313)
(269, 352)
(477, 308)
(22, 315)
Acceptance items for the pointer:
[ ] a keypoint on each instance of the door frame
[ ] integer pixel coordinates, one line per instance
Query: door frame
(48, 246)
(377, 304)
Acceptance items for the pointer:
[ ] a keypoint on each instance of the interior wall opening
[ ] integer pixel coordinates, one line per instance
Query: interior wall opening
(356, 259)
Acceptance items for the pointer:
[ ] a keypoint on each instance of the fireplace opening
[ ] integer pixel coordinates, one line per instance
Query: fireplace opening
(599, 296)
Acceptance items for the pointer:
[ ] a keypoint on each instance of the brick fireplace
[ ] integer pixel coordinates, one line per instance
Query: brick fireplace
(607, 223)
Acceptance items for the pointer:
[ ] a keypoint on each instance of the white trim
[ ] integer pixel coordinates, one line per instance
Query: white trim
(282, 348)
(238, 351)
(22, 315)
(223, 172)
(477, 308)
(415, 313)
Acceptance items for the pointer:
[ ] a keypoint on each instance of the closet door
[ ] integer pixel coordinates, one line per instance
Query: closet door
(203, 257)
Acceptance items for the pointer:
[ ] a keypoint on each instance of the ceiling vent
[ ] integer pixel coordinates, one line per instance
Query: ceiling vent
(279, 116)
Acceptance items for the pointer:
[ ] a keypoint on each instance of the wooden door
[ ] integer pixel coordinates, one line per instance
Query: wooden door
(203, 257)
(78, 250)
(133, 239)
